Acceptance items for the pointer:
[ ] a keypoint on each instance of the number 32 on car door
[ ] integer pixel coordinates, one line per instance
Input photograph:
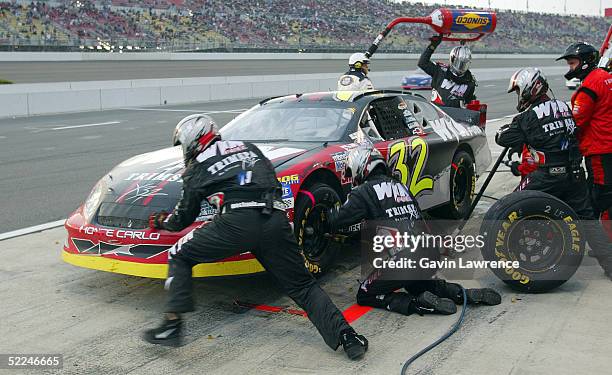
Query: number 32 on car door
(400, 155)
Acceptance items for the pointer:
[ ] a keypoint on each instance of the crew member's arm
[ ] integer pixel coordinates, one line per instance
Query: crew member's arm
(511, 135)
(186, 210)
(425, 59)
(353, 211)
(583, 106)
(471, 92)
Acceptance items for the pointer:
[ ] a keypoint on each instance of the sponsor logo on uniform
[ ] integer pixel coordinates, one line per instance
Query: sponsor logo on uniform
(455, 89)
(556, 108)
(233, 159)
(346, 81)
(397, 191)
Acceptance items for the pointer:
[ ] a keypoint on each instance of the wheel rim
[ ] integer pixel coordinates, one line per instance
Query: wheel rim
(460, 182)
(314, 244)
(535, 243)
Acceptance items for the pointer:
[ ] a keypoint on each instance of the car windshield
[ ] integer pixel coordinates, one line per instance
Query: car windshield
(297, 123)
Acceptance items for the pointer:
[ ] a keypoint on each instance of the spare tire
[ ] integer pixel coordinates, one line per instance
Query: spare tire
(539, 231)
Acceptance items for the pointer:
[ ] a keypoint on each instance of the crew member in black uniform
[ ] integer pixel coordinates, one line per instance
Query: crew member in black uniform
(240, 182)
(379, 199)
(452, 85)
(546, 126)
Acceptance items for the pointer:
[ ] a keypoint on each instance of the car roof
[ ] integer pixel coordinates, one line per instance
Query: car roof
(340, 96)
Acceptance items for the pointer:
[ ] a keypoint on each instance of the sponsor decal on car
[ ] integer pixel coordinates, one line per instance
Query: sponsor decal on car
(120, 233)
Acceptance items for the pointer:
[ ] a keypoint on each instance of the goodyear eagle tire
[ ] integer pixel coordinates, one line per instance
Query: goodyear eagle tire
(462, 186)
(319, 252)
(538, 230)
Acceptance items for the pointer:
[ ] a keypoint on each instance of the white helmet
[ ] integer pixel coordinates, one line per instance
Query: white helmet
(529, 85)
(361, 161)
(195, 133)
(460, 60)
(358, 59)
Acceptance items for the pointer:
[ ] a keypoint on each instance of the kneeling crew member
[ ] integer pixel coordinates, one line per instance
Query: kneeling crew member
(422, 294)
(237, 178)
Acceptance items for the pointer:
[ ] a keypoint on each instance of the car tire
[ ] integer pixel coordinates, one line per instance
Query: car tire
(462, 186)
(538, 230)
(319, 252)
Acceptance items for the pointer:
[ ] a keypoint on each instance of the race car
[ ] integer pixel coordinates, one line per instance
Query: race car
(307, 137)
(416, 80)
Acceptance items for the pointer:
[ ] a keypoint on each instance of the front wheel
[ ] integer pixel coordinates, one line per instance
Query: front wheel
(319, 252)
(462, 186)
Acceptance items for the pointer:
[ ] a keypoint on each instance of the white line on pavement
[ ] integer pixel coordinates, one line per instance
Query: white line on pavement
(29, 230)
(86, 125)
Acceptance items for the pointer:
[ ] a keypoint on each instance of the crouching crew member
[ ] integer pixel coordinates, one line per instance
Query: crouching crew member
(237, 178)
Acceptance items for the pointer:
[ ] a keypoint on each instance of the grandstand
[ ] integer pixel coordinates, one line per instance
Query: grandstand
(263, 25)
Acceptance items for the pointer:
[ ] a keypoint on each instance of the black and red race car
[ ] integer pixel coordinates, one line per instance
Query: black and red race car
(437, 153)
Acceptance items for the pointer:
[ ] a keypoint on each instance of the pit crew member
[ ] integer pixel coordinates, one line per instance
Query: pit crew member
(547, 128)
(452, 85)
(592, 110)
(356, 78)
(423, 294)
(236, 178)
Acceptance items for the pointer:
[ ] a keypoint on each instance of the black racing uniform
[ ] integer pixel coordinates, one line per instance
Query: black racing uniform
(547, 128)
(382, 200)
(448, 89)
(237, 178)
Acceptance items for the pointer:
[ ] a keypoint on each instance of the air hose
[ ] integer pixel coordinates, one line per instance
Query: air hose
(448, 334)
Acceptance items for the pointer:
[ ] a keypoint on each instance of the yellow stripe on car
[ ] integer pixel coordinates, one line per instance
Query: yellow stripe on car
(160, 271)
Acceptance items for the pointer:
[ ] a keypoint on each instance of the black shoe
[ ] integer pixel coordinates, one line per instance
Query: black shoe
(168, 333)
(354, 345)
(429, 303)
(484, 296)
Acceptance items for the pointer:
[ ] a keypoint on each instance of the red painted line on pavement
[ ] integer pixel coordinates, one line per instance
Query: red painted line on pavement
(355, 312)
(272, 309)
(351, 314)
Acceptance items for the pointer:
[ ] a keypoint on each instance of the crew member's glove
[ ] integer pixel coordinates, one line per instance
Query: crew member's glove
(156, 220)
(514, 167)
(435, 41)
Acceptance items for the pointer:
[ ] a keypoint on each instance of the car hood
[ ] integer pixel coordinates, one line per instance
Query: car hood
(152, 182)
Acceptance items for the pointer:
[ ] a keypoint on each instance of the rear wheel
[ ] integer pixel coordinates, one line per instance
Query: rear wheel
(319, 252)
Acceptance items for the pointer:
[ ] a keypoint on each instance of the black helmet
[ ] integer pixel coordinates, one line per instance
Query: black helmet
(588, 56)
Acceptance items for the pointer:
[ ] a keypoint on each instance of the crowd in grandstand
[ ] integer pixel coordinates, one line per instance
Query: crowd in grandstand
(268, 24)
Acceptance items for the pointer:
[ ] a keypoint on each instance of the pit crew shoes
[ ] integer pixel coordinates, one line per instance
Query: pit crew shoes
(354, 345)
(429, 303)
(169, 333)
